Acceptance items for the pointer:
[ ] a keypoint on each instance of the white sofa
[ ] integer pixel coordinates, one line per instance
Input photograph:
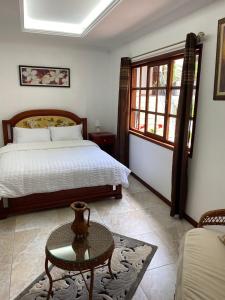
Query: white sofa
(201, 264)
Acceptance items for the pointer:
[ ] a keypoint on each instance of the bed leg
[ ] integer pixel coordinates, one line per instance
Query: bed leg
(118, 192)
(3, 214)
(3, 210)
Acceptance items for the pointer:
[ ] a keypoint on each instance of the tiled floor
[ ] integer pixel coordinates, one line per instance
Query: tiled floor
(139, 214)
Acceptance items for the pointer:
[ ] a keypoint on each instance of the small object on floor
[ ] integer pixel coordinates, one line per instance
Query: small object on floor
(130, 260)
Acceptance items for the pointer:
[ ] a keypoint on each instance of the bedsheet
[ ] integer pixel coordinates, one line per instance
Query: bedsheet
(53, 166)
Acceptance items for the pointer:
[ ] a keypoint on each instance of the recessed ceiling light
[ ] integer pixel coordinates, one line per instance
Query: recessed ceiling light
(32, 24)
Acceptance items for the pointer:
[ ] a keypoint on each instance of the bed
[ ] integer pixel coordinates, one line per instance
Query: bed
(46, 175)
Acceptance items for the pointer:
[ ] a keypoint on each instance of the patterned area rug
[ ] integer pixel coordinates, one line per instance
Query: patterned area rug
(129, 263)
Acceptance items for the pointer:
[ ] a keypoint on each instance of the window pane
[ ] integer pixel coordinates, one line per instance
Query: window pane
(142, 122)
(138, 72)
(193, 103)
(159, 125)
(143, 76)
(134, 119)
(152, 100)
(172, 125)
(163, 75)
(177, 72)
(136, 77)
(174, 101)
(153, 78)
(135, 99)
(190, 131)
(161, 101)
(143, 100)
(196, 69)
(151, 123)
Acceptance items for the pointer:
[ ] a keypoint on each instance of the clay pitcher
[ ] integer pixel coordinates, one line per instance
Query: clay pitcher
(80, 225)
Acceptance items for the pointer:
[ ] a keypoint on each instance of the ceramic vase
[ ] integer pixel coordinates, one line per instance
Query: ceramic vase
(80, 224)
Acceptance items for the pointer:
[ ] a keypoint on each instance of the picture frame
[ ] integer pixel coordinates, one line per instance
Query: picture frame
(39, 76)
(219, 80)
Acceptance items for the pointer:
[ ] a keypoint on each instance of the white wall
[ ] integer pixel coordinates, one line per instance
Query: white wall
(89, 78)
(207, 167)
(154, 171)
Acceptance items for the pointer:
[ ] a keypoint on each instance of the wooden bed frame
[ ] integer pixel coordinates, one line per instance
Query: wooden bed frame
(35, 202)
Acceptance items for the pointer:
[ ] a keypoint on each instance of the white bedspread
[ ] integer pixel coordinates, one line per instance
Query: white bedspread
(53, 166)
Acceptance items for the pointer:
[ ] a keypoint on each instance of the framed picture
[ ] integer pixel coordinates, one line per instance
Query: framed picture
(219, 81)
(44, 76)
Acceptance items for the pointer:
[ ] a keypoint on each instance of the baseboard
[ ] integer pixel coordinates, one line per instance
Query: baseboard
(190, 220)
(164, 199)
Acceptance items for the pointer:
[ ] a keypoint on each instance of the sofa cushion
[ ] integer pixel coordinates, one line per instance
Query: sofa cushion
(201, 273)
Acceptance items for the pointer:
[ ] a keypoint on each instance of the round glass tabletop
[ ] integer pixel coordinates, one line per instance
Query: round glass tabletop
(62, 245)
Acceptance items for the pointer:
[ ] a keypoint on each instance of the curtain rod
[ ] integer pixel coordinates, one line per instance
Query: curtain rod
(200, 38)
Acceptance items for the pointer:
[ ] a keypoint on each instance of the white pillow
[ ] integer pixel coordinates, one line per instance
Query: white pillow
(31, 135)
(66, 133)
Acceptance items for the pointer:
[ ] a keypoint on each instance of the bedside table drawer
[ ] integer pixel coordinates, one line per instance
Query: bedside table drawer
(105, 140)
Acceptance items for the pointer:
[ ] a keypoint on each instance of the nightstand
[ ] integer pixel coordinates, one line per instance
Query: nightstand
(105, 140)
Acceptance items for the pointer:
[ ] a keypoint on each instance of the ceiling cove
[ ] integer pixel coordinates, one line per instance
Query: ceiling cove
(68, 17)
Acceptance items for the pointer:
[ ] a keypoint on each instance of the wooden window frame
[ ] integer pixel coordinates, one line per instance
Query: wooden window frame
(160, 60)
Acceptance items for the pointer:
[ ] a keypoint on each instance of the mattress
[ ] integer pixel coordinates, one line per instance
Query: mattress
(54, 166)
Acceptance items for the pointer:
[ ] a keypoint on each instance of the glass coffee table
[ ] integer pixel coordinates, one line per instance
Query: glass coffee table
(88, 254)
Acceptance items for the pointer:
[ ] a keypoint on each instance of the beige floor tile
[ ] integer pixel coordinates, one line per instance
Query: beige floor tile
(159, 283)
(159, 218)
(92, 204)
(6, 248)
(147, 200)
(26, 268)
(129, 223)
(43, 219)
(29, 242)
(174, 233)
(165, 254)
(65, 215)
(5, 274)
(168, 238)
(95, 217)
(182, 226)
(113, 206)
(139, 294)
(135, 186)
(7, 226)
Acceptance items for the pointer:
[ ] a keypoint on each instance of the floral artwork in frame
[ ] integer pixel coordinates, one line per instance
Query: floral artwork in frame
(44, 76)
(219, 83)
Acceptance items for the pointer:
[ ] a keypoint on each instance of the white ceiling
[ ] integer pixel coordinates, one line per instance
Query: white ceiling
(129, 20)
(68, 11)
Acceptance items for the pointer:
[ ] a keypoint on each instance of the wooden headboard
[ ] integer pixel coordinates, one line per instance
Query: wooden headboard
(41, 118)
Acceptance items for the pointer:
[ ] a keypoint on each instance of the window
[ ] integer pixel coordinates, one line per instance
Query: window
(155, 90)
